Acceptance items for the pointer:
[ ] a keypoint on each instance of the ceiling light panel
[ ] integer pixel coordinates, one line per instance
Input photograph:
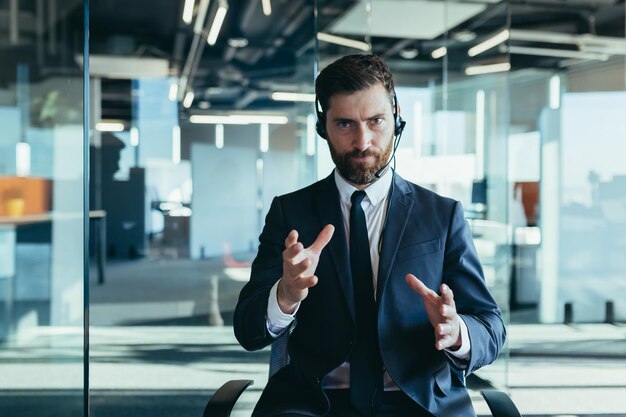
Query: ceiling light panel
(492, 42)
(418, 19)
(340, 40)
(487, 69)
(288, 96)
(188, 11)
(218, 21)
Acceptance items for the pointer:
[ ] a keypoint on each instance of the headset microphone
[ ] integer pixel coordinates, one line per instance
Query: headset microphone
(399, 128)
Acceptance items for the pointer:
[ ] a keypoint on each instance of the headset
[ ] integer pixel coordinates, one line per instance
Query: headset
(320, 127)
(399, 124)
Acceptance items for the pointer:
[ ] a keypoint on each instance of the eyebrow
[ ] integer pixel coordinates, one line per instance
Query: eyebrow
(376, 116)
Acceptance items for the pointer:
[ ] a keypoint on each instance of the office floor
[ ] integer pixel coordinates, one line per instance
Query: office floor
(153, 351)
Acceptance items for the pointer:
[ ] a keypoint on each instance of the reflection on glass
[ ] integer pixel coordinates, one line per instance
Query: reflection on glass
(41, 208)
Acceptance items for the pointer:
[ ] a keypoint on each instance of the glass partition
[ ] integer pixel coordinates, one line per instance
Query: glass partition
(472, 128)
(567, 104)
(197, 130)
(42, 215)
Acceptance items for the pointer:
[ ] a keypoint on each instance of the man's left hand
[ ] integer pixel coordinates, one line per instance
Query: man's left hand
(441, 312)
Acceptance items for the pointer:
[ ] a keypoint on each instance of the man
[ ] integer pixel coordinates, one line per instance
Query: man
(374, 280)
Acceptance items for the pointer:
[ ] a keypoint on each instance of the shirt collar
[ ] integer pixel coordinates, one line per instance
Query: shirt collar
(376, 191)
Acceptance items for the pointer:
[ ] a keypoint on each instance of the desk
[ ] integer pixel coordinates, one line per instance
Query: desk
(98, 216)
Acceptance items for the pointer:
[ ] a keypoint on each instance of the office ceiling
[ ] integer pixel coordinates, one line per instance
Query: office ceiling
(256, 53)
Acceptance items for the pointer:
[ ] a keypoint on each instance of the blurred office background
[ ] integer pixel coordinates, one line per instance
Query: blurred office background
(200, 112)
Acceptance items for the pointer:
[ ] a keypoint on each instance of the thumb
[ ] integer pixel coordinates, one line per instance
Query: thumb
(323, 238)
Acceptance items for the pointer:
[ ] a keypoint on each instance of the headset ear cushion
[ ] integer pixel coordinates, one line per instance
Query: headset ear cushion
(319, 127)
(399, 126)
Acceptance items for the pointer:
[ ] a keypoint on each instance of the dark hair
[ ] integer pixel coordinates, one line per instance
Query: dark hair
(350, 74)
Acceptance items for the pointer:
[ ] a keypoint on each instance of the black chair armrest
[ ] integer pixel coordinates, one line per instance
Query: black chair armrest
(222, 402)
(500, 404)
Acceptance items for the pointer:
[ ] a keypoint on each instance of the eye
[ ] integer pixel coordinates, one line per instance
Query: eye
(344, 124)
(377, 120)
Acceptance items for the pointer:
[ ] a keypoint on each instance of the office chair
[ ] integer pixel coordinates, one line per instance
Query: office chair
(224, 399)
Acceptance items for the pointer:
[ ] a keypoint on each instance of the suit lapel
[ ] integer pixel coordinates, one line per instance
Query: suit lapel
(328, 210)
(400, 205)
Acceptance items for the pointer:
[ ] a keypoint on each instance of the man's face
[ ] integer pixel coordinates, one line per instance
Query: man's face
(360, 129)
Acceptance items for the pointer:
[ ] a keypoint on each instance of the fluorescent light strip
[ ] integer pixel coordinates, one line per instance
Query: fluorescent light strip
(487, 69)
(310, 135)
(173, 93)
(557, 53)
(188, 101)
(188, 11)
(490, 43)
(584, 41)
(110, 127)
(439, 52)
(259, 181)
(480, 134)
(544, 37)
(284, 96)
(217, 23)
(134, 136)
(267, 7)
(338, 40)
(176, 144)
(264, 143)
(219, 136)
(610, 50)
(555, 91)
(22, 159)
(238, 119)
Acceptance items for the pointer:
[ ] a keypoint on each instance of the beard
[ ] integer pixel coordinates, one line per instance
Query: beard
(360, 172)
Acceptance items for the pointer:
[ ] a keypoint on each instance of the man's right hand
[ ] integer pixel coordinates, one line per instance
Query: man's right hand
(299, 265)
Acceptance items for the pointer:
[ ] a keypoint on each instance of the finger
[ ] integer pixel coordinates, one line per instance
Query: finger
(297, 269)
(419, 287)
(443, 330)
(447, 295)
(323, 238)
(443, 343)
(291, 253)
(306, 282)
(292, 238)
(447, 312)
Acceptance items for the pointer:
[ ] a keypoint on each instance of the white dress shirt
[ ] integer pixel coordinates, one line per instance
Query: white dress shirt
(375, 207)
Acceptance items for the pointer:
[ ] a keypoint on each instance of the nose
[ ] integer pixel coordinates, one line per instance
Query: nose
(362, 137)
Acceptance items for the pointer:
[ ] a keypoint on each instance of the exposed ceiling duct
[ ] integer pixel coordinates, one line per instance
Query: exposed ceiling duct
(255, 50)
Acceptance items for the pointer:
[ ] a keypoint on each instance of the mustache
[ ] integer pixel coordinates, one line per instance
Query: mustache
(361, 154)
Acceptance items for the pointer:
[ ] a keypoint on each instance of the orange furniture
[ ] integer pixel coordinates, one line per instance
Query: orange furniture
(24, 196)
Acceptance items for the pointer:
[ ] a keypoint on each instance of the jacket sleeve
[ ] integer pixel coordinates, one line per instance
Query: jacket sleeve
(250, 314)
(464, 275)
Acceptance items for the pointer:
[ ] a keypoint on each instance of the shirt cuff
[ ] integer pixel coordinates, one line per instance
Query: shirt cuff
(275, 320)
(462, 353)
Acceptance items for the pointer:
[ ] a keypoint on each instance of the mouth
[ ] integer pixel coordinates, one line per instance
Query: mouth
(362, 158)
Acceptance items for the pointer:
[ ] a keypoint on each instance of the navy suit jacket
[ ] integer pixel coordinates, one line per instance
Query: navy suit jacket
(425, 235)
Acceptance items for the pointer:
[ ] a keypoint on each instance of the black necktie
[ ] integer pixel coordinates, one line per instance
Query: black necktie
(366, 379)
